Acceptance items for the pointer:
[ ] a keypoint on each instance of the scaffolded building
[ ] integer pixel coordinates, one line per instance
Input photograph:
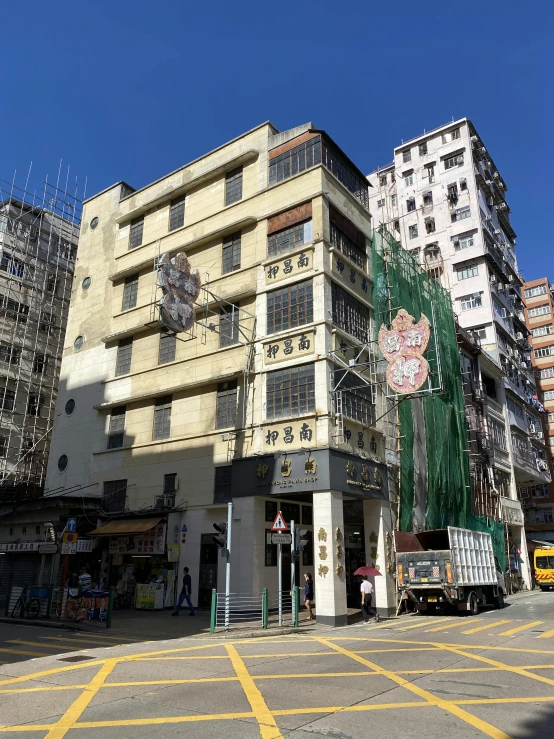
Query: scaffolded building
(38, 248)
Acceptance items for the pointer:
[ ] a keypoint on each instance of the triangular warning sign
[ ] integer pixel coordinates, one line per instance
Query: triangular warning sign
(279, 524)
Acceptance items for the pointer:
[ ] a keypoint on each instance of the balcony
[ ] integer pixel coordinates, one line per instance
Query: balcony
(526, 466)
(518, 422)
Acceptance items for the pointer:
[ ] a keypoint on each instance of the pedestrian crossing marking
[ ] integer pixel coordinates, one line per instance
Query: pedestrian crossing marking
(79, 640)
(389, 625)
(547, 634)
(452, 625)
(48, 647)
(423, 624)
(488, 626)
(25, 652)
(511, 632)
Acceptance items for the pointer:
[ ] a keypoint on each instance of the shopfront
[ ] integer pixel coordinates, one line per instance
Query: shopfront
(138, 562)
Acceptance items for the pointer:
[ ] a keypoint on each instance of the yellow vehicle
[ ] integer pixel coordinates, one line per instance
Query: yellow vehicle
(544, 568)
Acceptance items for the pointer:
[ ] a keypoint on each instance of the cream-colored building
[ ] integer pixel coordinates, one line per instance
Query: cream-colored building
(245, 405)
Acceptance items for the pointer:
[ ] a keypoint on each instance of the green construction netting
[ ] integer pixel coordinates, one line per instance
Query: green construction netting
(444, 492)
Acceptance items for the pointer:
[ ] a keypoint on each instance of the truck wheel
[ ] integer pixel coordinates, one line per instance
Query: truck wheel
(473, 603)
(499, 602)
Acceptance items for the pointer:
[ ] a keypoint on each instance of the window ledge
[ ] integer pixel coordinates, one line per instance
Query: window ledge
(170, 440)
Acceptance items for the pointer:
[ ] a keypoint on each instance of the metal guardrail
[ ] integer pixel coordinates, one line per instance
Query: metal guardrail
(237, 610)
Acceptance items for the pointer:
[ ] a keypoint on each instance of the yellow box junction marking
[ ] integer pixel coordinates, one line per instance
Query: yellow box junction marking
(423, 624)
(511, 632)
(487, 626)
(462, 622)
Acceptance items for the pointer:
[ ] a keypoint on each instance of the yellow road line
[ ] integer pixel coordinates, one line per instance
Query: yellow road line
(547, 634)
(455, 710)
(26, 653)
(494, 647)
(461, 622)
(118, 639)
(424, 623)
(77, 708)
(385, 651)
(487, 626)
(79, 640)
(511, 632)
(48, 647)
(264, 717)
(390, 624)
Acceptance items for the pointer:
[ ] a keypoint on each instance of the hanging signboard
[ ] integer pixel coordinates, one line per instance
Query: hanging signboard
(150, 542)
(403, 347)
(181, 287)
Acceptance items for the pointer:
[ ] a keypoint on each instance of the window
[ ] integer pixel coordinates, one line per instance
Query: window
(544, 374)
(162, 418)
(498, 431)
(460, 214)
(455, 134)
(62, 463)
(301, 157)
(124, 354)
(135, 232)
(229, 326)
(429, 173)
(46, 321)
(78, 343)
(394, 201)
(114, 495)
(14, 309)
(462, 242)
(410, 205)
(551, 418)
(233, 186)
(452, 193)
(86, 283)
(471, 301)
(289, 238)
(443, 138)
(381, 203)
(428, 198)
(407, 156)
(170, 483)
(467, 271)
(515, 408)
(226, 406)
(290, 307)
(356, 399)
(12, 265)
(409, 179)
(397, 225)
(177, 213)
(116, 432)
(3, 447)
(544, 515)
(499, 309)
(480, 332)
(455, 161)
(52, 283)
(423, 149)
(39, 364)
(130, 292)
(430, 225)
(271, 509)
(231, 253)
(34, 404)
(412, 230)
(9, 354)
(532, 292)
(463, 185)
(544, 351)
(290, 392)
(69, 407)
(7, 399)
(168, 347)
(541, 331)
(382, 180)
(222, 484)
(548, 395)
(347, 238)
(349, 314)
(540, 310)
(270, 550)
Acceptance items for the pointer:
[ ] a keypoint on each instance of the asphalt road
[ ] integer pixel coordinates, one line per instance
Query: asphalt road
(417, 676)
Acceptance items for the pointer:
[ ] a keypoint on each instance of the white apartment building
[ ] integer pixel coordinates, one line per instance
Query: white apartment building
(444, 198)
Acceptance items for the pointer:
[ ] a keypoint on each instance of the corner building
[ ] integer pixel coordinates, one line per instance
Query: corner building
(244, 406)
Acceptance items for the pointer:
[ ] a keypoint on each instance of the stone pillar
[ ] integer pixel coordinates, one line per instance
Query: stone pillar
(330, 586)
(379, 553)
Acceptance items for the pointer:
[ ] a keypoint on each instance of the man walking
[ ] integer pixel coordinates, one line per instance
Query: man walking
(366, 590)
(185, 594)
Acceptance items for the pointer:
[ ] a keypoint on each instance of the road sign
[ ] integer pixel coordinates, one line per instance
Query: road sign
(281, 538)
(279, 524)
(71, 525)
(69, 547)
(70, 538)
(47, 548)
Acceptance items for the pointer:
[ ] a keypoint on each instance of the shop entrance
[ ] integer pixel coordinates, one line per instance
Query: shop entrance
(207, 578)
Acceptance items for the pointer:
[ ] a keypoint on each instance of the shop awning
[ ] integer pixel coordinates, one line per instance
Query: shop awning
(125, 527)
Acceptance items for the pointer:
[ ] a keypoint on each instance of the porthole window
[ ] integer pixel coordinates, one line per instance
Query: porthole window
(69, 407)
(78, 343)
(62, 463)
(85, 284)
(94, 222)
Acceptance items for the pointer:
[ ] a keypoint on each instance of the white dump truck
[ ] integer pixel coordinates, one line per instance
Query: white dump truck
(450, 569)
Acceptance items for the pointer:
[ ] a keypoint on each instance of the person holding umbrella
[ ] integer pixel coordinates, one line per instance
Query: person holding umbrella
(366, 591)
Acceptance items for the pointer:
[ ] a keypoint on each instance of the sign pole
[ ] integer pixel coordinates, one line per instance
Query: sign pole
(292, 568)
(279, 565)
(228, 565)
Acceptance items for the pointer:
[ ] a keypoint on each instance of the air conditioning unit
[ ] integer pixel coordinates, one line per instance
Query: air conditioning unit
(542, 465)
(495, 175)
(497, 232)
(519, 336)
(476, 295)
(488, 182)
(510, 278)
(501, 286)
(474, 139)
(492, 279)
(510, 351)
(483, 150)
(488, 218)
(532, 428)
(168, 500)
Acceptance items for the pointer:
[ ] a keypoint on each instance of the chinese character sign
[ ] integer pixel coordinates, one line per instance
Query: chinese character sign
(403, 347)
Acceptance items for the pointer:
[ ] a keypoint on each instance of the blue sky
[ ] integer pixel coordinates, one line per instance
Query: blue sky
(132, 90)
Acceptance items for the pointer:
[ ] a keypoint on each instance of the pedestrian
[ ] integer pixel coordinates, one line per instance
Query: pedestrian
(185, 594)
(309, 594)
(366, 590)
(85, 580)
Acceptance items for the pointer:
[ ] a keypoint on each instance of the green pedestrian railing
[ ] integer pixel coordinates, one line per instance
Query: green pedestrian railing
(240, 610)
